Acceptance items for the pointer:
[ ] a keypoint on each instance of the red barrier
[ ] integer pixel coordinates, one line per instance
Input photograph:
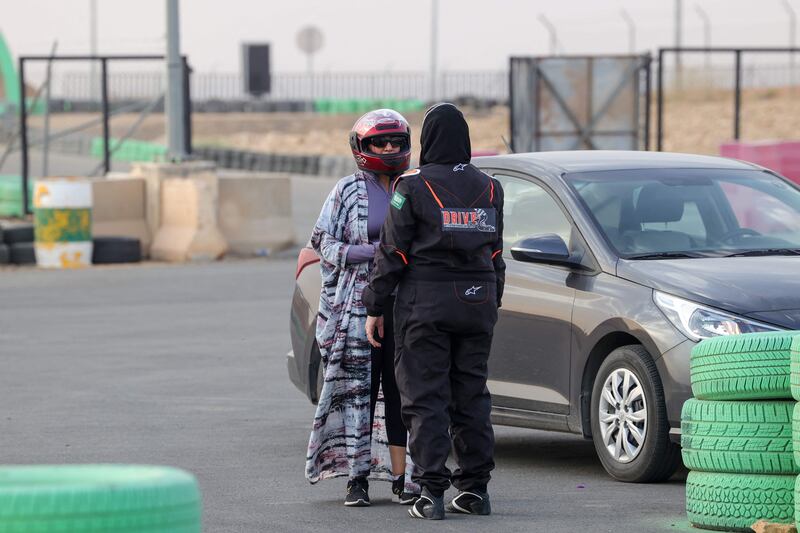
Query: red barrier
(781, 156)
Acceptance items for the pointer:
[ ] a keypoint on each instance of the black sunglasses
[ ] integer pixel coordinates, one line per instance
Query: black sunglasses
(381, 141)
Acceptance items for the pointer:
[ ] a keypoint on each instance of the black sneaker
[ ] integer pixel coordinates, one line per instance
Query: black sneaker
(407, 498)
(470, 502)
(428, 506)
(357, 493)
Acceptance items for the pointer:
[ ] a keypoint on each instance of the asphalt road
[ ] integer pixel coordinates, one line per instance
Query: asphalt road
(185, 366)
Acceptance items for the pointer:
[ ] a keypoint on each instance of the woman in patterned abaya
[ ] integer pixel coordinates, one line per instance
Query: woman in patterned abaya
(358, 431)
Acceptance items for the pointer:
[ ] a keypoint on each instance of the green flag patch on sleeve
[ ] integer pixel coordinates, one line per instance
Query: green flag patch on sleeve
(398, 200)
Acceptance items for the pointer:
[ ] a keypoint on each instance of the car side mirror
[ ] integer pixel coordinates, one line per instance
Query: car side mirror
(549, 248)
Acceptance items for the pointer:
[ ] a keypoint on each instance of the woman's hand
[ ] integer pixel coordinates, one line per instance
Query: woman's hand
(372, 323)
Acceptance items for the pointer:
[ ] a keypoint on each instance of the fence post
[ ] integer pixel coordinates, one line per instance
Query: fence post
(737, 96)
(660, 103)
(187, 107)
(106, 133)
(23, 136)
(648, 66)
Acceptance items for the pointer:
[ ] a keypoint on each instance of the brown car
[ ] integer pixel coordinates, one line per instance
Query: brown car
(618, 263)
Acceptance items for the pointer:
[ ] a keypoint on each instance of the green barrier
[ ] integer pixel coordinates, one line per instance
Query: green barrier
(11, 195)
(129, 150)
(360, 106)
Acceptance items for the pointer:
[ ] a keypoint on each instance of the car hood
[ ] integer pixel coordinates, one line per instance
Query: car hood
(766, 288)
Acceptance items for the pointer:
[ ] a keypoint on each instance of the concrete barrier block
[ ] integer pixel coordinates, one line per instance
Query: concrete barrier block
(255, 211)
(187, 197)
(120, 209)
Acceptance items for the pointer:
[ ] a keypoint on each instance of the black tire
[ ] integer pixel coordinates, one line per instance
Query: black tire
(5, 254)
(109, 250)
(22, 253)
(18, 234)
(657, 457)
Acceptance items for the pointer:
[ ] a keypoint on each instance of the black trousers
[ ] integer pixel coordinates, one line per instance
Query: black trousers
(443, 332)
(383, 373)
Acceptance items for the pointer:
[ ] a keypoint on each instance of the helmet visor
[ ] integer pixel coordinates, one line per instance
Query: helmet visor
(383, 141)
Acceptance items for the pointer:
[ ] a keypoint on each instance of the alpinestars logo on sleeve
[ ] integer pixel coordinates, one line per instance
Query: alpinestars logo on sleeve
(475, 219)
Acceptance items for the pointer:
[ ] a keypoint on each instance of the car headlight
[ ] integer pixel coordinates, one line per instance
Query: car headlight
(699, 322)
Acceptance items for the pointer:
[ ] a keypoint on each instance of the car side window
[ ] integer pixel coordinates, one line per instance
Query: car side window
(529, 210)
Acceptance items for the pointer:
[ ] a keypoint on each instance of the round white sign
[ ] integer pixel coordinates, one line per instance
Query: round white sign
(309, 39)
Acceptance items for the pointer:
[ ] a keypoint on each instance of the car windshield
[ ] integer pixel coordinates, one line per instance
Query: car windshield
(676, 213)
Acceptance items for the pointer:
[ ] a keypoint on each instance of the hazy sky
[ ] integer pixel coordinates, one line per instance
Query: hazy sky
(383, 35)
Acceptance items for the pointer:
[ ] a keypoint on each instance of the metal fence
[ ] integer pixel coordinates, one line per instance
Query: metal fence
(295, 86)
(491, 85)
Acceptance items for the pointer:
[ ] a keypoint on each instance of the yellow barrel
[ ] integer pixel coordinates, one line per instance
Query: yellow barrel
(62, 214)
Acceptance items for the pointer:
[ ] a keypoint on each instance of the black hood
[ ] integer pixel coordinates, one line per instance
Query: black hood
(444, 137)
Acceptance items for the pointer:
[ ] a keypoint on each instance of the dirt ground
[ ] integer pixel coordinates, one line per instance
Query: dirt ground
(696, 122)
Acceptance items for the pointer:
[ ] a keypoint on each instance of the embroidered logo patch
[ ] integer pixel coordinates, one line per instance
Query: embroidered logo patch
(398, 200)
(476, 219)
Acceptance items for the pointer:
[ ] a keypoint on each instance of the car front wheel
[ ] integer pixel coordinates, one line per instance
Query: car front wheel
(630, 429)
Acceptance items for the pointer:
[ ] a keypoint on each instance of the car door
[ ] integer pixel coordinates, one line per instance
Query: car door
(529, 366)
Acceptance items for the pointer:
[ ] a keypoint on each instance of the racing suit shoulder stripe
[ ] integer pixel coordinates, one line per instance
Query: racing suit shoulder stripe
(433, 193)
(402, 256)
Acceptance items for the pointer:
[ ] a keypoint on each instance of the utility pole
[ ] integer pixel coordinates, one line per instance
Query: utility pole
(792, 37)
(434, 43)
(631, 31)
(93, 49)
(706, 35)
(175, 103)
(678, 42)
(551, 30)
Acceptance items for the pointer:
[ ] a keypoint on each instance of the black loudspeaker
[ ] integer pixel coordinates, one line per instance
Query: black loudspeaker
(257, 79)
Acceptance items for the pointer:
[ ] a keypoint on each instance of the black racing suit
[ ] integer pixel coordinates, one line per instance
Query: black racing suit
(442, 243)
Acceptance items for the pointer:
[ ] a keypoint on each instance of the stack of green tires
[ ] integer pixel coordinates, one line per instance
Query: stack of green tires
(736, 433)
(98, 499)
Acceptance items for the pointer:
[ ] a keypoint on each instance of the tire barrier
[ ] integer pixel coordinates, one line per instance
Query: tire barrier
(18, 233)
(314, 165)
(22, 253)
(5, 254)
(333, 106)
(746, 437)
(11, 195)
(794, 368)
(111, 250)
(63, 222)
(129, 150)
(95, 498)
(737, 501)
(753, 366)
(738, 437)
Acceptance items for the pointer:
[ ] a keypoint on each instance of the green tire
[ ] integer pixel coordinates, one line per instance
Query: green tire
(795, 368)
(796, 433)
(736, 501)
(98, 499)
(754, 366)
(738, 437)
